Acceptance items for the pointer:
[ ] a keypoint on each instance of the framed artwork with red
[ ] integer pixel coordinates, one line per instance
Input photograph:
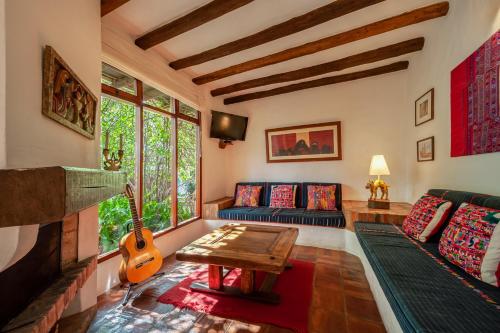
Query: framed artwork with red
(315, 142)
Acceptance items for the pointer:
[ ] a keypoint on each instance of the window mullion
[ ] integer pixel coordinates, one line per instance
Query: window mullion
(175, 166)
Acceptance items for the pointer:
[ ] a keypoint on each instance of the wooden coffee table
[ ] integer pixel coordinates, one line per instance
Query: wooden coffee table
(249, 247)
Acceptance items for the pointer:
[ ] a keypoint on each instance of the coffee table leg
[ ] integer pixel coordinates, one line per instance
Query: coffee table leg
(215, 277)
(247, 281)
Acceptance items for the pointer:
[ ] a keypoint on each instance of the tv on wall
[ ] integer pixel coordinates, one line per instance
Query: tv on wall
(228, 127)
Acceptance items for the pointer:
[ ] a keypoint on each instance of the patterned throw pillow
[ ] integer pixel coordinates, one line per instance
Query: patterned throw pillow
(472, 242)
(247, 196)
(283, 196)
(426, 217)
(321, 197)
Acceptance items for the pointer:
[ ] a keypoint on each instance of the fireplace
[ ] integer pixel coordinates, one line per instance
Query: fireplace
(34, 272)
(42, 283)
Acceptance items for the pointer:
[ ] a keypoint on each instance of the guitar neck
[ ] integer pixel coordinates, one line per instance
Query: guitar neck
(135, 218)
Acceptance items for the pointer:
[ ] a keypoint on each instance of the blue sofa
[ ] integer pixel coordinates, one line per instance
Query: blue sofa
(299, 215)
(426, 292)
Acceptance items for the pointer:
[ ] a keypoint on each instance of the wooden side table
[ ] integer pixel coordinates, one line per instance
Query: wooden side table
(358, 211)
(211, 208)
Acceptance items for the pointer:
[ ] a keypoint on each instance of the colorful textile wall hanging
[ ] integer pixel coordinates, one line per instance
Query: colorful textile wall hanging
(475, 115)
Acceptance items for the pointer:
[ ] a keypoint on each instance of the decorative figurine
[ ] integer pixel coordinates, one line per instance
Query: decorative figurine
(112, 163)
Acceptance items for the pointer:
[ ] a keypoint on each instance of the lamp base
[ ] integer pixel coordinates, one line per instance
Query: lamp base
(379, 204)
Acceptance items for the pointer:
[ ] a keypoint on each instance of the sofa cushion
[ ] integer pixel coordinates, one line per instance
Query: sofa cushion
(283, 196)
(321, 197)
(262, 196)
(298, 193)
(459, 197)
(325, 218)
(284, 215)
(425, 293)
(247, 195)
(472, 241)
(426, 217)
(338, 193)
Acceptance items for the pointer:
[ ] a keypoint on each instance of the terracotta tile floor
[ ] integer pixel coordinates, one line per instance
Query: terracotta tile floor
(342, 302)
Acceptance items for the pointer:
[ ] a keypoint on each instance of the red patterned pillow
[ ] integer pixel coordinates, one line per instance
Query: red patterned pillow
(247, 196)
(426, 217)
(283, 196)
(321, 197)
(472, 242)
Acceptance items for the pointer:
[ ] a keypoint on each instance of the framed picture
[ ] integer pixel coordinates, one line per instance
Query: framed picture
(316, 142)
(425, 149)
(66, 99)
(424, 108)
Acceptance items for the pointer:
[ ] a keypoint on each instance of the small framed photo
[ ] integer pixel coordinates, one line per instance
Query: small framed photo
(424, 108)
(425, 149)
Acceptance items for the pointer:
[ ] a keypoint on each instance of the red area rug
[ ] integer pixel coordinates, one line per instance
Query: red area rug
(294, 287)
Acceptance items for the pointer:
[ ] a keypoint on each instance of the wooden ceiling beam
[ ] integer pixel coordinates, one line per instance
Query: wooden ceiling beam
(397, 66)
(107, 6)
(367, 57)
(372, 29)
(188, 22)
(317, 16)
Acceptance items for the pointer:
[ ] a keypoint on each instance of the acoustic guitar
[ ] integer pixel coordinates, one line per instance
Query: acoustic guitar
(141, 259)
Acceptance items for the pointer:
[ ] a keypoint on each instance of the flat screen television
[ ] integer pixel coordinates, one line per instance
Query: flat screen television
(228, 127)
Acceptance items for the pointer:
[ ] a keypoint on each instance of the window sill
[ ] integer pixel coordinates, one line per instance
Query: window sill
(108, 255)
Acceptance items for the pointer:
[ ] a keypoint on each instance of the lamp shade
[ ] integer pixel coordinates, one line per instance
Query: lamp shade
(378, 166)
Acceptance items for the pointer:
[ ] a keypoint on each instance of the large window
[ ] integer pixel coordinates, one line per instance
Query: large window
(160, 139)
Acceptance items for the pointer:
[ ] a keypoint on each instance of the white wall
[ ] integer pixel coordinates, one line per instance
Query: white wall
(3, 158)
(371, 112)
(468, 25)
(33, 140)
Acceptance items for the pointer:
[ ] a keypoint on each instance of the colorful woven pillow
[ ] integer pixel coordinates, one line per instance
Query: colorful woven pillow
(283, 196)
(247, 196)
(426, 217)
(472, 242)
(321, 197)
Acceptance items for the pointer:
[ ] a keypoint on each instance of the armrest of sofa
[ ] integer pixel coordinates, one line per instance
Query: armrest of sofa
(211, 208)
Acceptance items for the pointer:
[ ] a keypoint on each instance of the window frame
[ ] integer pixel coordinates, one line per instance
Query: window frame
(139, 103)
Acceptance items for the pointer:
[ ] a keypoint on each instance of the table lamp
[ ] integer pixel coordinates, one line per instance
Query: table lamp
(378, 167)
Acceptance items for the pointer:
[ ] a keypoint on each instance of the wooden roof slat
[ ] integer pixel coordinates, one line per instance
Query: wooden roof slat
(107, 6)
(317, 16)
(367, 57)
(194, 19)
(372, 29)
(397, 66)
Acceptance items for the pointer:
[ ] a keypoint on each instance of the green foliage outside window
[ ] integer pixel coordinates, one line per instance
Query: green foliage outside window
(119, 117)
(187, 165)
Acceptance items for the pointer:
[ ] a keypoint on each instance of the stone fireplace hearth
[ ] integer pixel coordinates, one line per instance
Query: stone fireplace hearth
(43, 278)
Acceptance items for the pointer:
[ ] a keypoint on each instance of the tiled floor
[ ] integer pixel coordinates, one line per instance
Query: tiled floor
(342, 302)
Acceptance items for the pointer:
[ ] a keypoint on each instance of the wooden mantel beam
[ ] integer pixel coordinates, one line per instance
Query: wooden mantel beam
(367, 57)
(372, 29)
(107, 6)
(197, 17)
(317, 16)
(397, 66)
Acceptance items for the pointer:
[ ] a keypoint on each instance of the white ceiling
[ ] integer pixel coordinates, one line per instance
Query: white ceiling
(141, 16)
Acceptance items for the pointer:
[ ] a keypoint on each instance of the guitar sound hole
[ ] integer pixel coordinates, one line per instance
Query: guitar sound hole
(141, 244)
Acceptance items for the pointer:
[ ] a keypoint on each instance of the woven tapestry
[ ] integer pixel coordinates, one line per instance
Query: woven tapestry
(475, 116)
